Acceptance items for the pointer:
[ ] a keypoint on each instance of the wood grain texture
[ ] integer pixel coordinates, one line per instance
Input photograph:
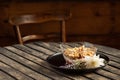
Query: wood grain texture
(4, 76)
(28, 62)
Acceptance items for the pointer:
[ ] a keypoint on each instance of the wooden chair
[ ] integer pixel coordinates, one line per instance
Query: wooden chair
(17, 21)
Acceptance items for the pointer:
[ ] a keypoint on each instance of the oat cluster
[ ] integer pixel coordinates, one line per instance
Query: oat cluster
(79, 52)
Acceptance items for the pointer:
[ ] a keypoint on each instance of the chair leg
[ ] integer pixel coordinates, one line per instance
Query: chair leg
(18, 34)
(63, 31)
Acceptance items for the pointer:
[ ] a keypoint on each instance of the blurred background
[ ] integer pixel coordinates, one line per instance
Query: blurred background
(96, 21)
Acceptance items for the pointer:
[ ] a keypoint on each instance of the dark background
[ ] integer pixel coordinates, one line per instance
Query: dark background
(96, 21)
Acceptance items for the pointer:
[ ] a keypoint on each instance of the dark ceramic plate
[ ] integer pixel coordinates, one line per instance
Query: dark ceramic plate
(57, 60)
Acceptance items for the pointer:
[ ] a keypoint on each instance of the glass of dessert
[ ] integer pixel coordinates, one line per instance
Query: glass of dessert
(81, 57)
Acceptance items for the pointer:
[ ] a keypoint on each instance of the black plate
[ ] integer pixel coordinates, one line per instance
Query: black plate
(57, 60)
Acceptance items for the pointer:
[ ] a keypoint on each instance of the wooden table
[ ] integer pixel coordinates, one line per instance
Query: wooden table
(28, 62)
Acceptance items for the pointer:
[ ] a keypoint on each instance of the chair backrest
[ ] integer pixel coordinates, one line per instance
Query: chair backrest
(36, 18)
(32, 18)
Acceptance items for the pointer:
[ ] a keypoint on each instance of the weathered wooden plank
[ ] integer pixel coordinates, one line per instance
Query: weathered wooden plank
(30, 51)
(94, 76)
(108, 74)
(111, 54)
(22, 68)
(109, 50)
(112, 69)
(4, 76)
(56, 46)
(114, 64)
(89, 76)
(18, 75)
(39, 48)
(112, 58)
(51, 46)
(36, 63)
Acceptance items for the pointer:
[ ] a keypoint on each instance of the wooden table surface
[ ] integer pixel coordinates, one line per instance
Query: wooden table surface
(28, 62)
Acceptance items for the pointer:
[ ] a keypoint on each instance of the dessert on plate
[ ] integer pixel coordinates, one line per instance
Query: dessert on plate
(82, 57)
